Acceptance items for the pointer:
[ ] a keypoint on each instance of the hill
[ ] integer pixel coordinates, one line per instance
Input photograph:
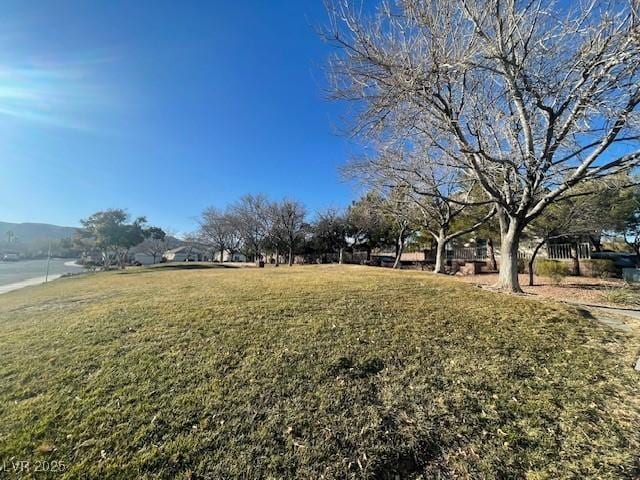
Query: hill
(27, 233)
(189, 371)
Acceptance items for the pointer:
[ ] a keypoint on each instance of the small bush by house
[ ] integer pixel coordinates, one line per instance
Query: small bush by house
(554, 269)
(598, 267)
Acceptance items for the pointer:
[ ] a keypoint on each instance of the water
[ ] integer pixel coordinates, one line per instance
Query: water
(31, 272)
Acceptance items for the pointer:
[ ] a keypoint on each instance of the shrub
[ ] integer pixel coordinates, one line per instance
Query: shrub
(599, 267)
(554, 269)
(621, 296)
(373, 262)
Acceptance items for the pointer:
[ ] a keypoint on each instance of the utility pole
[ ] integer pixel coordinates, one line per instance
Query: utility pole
(46, 278)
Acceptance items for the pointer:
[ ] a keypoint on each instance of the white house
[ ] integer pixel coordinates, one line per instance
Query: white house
(230, 257)
(185, 254)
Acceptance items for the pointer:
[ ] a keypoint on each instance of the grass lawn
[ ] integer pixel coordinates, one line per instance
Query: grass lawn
(310, 372)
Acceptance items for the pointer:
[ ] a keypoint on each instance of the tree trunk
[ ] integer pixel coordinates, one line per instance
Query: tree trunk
(399, 248)
(533, 259)
(277, 264)
(221, 255)
(341, 261)
(597, 243)
(636, 249)
(575, 259)
(290, 256)
(441, 257)
(510, 241)
(491, 254)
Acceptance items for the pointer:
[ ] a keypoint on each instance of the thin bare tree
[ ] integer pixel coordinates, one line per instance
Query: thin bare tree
(219, 230)
(287, 222)
(330, 234)
(396, 203)
(155, 243)
(251, 217)
(440, 193)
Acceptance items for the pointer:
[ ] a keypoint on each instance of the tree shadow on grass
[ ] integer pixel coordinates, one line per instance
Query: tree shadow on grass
(176, 266)
(190, 266)
(598, 287)
(584, 313)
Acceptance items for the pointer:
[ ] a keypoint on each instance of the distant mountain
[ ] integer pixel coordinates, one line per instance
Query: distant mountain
(32, 232)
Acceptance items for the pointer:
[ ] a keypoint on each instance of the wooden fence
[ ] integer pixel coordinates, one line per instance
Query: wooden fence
(468, 253)
(565, 251)
(561, 251)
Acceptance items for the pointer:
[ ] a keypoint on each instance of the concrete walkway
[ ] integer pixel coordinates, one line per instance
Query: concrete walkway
(614, 317)
(26, 283)
(610, 316)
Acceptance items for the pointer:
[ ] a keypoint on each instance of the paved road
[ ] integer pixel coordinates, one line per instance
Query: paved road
(14, 275)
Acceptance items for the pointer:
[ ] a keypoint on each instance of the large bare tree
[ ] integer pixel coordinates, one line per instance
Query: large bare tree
(529, 97)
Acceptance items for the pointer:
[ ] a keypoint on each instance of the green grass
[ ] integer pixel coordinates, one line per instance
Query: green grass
(310, 372)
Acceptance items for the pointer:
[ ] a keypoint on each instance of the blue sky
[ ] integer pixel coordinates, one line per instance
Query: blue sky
(164, 108)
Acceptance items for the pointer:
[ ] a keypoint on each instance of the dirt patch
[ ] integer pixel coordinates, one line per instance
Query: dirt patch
(571, 289)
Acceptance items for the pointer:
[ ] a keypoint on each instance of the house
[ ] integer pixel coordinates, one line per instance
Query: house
(185, 254)
(229, 257)
(96, 257)
(143, 258)
(566, 248)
